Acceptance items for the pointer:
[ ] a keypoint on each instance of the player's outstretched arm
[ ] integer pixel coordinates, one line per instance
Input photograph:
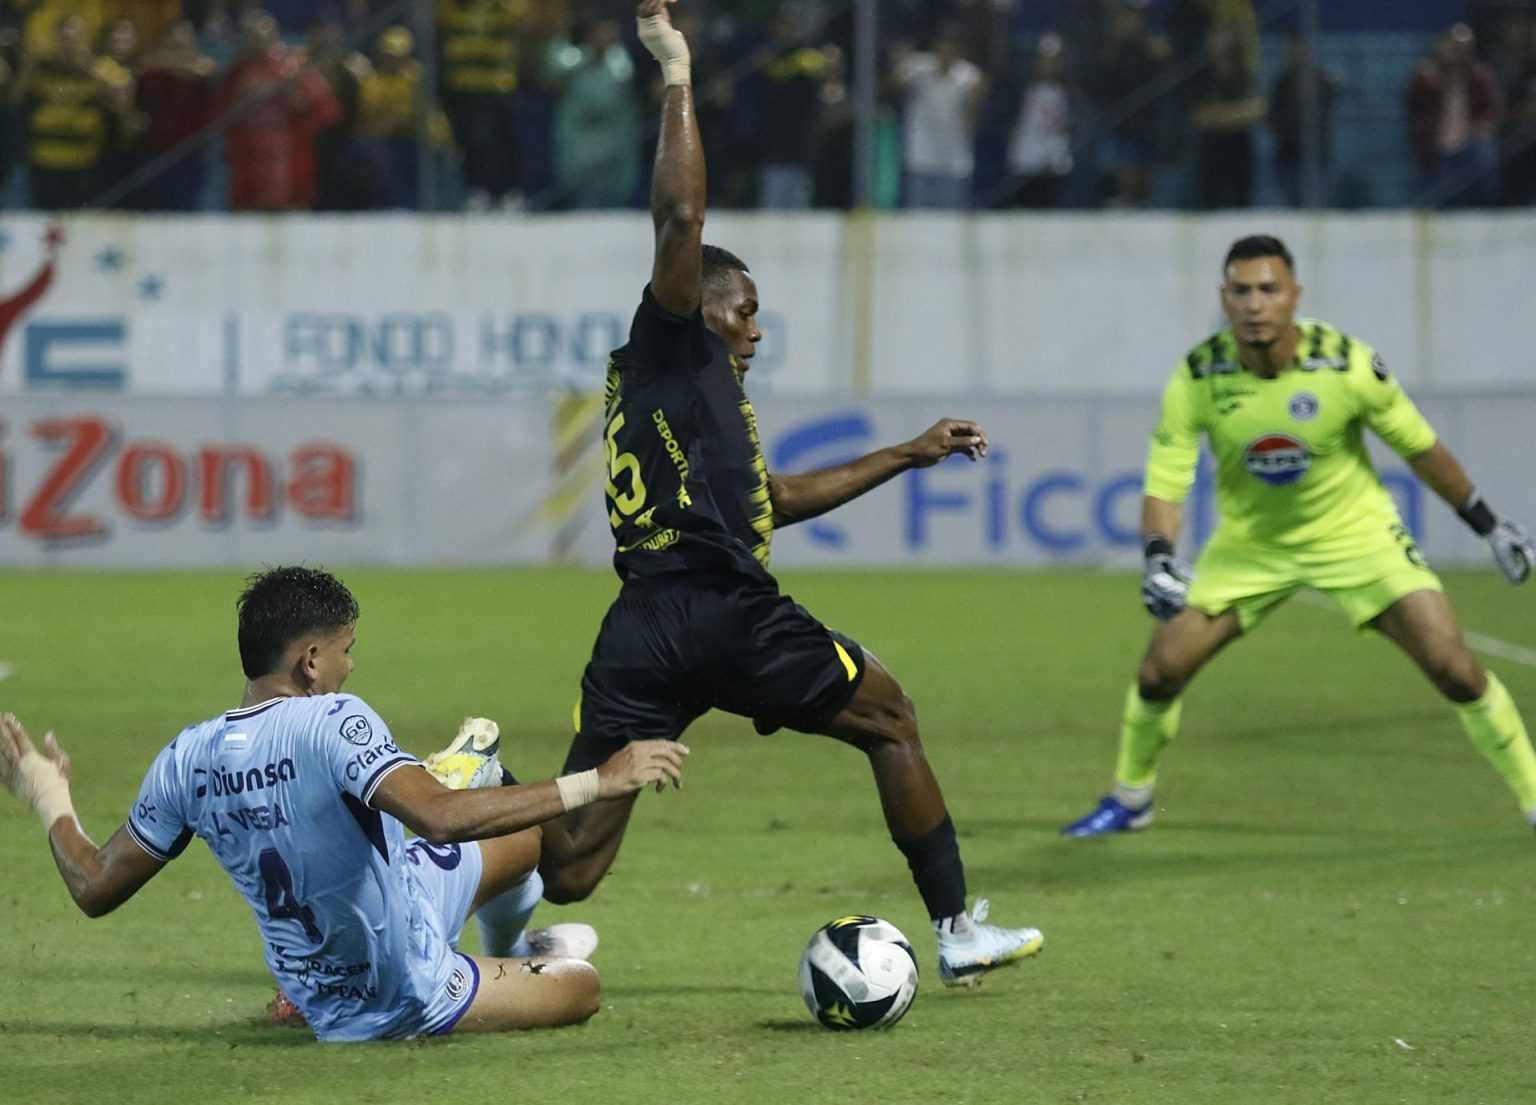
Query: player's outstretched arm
(99, 879)
(444, 816)
(677, 184)
(796, 498)
(1511, 546)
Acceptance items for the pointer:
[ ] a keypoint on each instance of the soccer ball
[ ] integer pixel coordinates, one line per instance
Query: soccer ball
(858, 972)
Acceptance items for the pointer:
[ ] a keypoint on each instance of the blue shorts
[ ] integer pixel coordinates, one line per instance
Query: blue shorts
(446, 894)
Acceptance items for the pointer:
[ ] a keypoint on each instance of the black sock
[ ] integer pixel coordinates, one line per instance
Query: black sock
(507, 778)
(936, 868)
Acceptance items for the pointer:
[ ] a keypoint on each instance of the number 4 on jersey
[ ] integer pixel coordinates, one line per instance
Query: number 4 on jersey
(281, 900)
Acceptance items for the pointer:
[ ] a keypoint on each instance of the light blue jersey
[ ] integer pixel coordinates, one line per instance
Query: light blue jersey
(281, 793)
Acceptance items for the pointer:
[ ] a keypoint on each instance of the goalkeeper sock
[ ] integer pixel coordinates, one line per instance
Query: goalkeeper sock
(1495, 727)
(503, 918)
(1145, 731)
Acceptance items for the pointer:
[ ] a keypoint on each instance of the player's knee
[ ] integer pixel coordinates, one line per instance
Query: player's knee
(895, 721)
(565, 883)
(1457, 676)
(587, 994)
(1158, 682)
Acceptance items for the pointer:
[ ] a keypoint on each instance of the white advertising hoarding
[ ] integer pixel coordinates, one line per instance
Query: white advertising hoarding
(898, 304)
(144, 481)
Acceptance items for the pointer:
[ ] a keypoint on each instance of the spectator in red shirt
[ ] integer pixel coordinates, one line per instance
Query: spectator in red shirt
(280, 104)
(1454, 109)
(175, 93)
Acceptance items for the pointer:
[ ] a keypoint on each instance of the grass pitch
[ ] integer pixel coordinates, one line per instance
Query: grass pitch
(1336, 903)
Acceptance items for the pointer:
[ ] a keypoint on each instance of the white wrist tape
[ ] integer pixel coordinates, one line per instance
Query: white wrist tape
(677, 71)
(39, 784)
(668, 46)
(578, 790)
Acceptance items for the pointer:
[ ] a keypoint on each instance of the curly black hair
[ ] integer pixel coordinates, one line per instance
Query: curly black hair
(280, 605)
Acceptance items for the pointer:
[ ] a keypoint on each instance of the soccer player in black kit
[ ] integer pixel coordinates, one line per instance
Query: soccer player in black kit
(699, 622)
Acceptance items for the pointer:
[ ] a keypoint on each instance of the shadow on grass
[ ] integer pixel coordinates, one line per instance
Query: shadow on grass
(1207, 848)
(792, 1027)
(682, 989)
(230, 1035)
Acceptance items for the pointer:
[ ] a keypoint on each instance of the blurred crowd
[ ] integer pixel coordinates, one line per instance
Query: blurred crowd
(175, 105)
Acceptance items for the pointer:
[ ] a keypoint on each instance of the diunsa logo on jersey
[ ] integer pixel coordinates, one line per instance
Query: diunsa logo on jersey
(1277, 459)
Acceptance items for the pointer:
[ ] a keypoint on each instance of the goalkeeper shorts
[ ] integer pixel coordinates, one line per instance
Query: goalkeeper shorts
(1254, 579)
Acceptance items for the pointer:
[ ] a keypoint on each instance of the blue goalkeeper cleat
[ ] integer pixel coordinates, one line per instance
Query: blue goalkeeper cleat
(470, 760)
(1110, 816)
(965, 956)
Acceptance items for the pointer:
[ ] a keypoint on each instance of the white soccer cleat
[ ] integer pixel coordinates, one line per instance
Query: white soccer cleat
(967, 955)
(570, 939)
(469, 761)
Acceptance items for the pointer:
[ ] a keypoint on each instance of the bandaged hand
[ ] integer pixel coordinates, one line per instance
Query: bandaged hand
(665, 42)
(40, 781)
(1165, 580)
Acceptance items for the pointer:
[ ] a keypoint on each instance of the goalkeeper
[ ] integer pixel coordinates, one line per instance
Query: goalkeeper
(1282, 402)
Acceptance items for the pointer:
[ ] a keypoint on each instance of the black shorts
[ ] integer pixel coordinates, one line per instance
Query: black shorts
(676, 646)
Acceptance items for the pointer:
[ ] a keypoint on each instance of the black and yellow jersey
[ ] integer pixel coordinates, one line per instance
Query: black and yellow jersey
(687, 487)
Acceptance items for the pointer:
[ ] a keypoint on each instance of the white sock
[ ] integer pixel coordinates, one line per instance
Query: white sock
(503, 918)
(1133, 798)
(960, 925)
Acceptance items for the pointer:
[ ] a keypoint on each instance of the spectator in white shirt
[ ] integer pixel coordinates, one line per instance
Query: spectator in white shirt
(940, 92)
(1040, 150)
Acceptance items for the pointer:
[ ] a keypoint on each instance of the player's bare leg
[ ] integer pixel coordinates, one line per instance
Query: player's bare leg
(522, 993)
(881, 722)
(1424, 625)
(579, 848)
(1178, 648)
(506, 861)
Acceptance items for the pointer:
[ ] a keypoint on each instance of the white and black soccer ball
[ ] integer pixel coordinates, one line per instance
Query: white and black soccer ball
(858, 972)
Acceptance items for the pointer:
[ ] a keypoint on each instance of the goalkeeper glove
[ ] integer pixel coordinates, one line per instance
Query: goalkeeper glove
(1511, 545)
(1165, 582)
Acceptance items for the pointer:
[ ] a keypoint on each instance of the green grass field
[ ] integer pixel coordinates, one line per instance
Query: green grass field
(1336, 904)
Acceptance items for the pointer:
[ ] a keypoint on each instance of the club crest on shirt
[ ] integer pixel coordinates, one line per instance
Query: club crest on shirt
(1277, 459)
(1303, 406)
(356, 729)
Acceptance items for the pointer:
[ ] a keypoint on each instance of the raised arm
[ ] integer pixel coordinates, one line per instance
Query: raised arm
(796, 498)
(98, 879)
(677, 184)
(444, 816)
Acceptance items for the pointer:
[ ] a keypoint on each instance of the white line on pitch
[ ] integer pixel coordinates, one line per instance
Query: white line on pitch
(1478, 642)
(1504, 650)
(5, 669)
